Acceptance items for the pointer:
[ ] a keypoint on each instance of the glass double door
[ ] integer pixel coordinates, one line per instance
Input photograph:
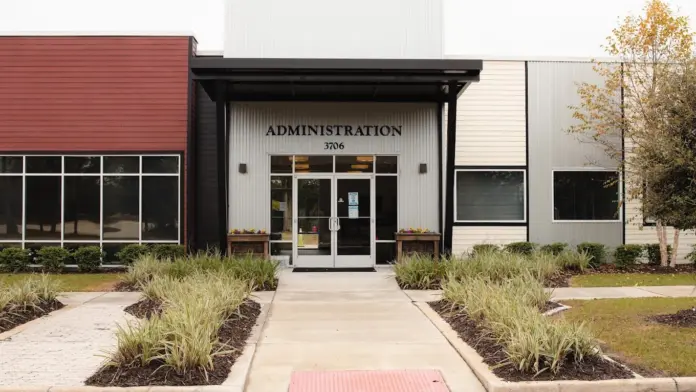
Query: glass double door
(333, 221)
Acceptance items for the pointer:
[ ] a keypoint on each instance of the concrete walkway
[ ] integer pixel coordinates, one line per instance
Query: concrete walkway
(63, 348)
(349, 321)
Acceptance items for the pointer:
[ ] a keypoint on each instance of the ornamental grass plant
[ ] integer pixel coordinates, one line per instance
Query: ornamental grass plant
(28, 293)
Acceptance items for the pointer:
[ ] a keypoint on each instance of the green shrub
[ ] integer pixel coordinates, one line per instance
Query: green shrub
(653, 253)
(627, 255)
(573, 261)
(168, 251)
(130, 253)
(88, 258)
(14, 259)
(484, 248)
(555, 249)
(692, 255)
(596, 252)
(420, 272)
(52, 258)
(523, 248)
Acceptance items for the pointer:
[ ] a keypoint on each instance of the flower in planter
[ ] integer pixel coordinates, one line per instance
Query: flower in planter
(247, 231)
(417, 230)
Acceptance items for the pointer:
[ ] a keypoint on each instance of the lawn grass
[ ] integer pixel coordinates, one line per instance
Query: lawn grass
(73, 282)
(623, 280)
(621, 325)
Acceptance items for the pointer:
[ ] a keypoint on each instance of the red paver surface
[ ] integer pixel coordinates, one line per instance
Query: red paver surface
(368, 381)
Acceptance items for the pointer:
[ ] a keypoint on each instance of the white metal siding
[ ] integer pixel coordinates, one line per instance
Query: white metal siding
(401, 29)
(249, 196)
(465, 237)
(491, 118)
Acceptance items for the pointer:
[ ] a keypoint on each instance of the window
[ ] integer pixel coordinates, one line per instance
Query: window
(490, 196)
(586, 196)
(72, 201)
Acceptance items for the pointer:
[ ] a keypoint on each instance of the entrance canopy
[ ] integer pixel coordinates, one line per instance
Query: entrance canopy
(396, 80)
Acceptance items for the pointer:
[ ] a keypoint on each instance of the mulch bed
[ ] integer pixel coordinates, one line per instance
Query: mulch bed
(268, 286)
(144, 308)
(234, 333)
(126, 287)
(12, 318)
(478, 337)
(682, 318)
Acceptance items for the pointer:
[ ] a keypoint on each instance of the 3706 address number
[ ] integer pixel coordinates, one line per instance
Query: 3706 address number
(333, 146)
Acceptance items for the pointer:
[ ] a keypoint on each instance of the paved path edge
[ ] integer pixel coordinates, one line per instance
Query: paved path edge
(494, 384)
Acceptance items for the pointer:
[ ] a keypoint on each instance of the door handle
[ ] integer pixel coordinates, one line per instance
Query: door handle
(338, 224)
(331, 224)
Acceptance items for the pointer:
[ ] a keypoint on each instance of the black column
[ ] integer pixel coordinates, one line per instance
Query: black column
(221, 132)
(449, 167)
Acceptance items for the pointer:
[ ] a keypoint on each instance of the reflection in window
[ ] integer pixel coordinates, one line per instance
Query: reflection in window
(82, 164)
(121, 208)
(354, 164)
(10, 208)
(314, 164)
(82, 208)
(43, 208)
(585, 195)
(160, 165)
(121, 164)
(493, 196)
(281, 208)
(160, 208)
(11, 164)
(281, 164)
(387, 165)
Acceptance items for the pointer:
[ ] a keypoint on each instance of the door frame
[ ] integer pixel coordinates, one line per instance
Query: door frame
(333, 260)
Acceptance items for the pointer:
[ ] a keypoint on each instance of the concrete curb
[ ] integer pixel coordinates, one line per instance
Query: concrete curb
(494, 384)
(559, 309)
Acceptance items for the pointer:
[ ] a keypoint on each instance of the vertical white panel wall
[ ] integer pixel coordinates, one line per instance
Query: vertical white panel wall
(491, 132)
(249, 194)
(399, 29)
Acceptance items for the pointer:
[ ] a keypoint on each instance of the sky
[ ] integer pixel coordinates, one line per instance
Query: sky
(480, 28)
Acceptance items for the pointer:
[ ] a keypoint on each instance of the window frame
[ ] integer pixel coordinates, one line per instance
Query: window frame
(493, 169)
(619, 184)
(101, 174)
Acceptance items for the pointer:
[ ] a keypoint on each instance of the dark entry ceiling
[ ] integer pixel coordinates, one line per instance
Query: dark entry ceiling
(333, 79)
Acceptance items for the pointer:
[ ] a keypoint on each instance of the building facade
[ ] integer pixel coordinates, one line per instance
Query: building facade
(330, 146)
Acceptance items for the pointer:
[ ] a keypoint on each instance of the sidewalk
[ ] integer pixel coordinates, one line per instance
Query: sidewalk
(349, 321)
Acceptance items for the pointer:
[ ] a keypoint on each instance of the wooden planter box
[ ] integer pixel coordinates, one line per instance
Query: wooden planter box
(256, 244)
(427, 243)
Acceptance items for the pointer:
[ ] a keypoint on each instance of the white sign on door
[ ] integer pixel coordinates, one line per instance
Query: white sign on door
(352, 198)
(353, 212)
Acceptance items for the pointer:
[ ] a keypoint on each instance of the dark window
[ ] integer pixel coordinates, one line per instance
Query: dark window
(82, 208)
(281, 164)
(353, 164)
(281, 248)
(121, 208)
(43, 199)
(160, 208)
(386, 208)
(10, 208)
(386, 252)
(585, 195)
(314, 164)
(160, 165)
(82, 164)
(281, 208)
(110, 250)
(491, 196)
(11, 165)
(387, 165)
(118, 164)
(43, 165)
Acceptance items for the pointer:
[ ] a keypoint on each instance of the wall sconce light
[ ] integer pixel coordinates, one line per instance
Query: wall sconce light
(243, 168)
(423, 168)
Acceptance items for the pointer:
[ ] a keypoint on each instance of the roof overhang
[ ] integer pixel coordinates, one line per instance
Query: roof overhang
(246, 79)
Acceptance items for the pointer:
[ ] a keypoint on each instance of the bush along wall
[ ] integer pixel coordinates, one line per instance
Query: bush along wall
(597, 252)
(130, 253)
(88, 258)
(627, 255)
(522, 248)
(168, 251)
(14, 260)
(555, 249)
(653, 253)
(52, 258)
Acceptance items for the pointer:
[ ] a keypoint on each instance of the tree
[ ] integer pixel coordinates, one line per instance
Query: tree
(652, 51)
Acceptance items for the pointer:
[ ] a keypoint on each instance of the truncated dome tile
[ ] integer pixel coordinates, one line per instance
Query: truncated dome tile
(368, 381)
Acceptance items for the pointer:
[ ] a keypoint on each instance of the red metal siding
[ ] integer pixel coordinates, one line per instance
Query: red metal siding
(93, 93)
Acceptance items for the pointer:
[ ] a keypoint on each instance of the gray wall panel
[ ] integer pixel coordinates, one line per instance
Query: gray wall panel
(249, 196)
(552, 89)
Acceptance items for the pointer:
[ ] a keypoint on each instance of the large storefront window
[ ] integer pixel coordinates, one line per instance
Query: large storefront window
(586, 195)
(71, 201)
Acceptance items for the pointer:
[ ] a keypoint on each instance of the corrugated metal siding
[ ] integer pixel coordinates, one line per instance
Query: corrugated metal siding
(464, 237)
(491, 119)
(401, 29)
(93, 93)
(552, 88)
(636, 233)
(249, 203)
